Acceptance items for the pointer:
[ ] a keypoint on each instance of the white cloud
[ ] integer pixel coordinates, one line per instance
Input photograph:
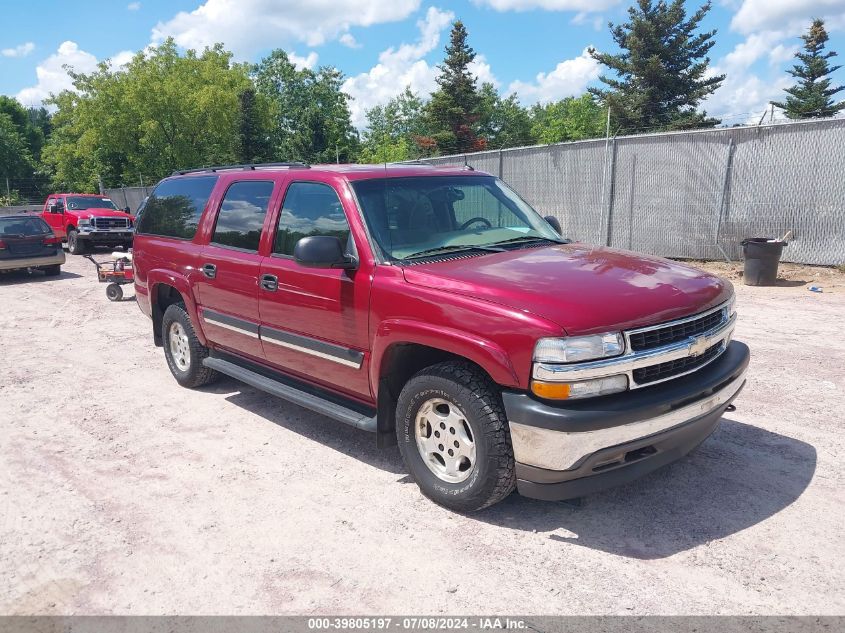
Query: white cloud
(584, 18)
(21, 50)
(347, 39)
(402, 66)
(248, 26)
(309, 61)
(52, 76)
(133, 6)
(548, 5)
(480, 67)
(119, 60)
(569, 78)
(792, 15)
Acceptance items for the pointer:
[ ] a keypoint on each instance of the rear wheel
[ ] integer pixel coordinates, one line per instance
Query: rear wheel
(52, 271)
(454, 437)
(183, 350)
(75, 246)
(114, 292)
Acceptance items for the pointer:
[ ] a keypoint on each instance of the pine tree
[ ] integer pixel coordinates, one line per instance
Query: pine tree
(252, 146)
(661, 73)
(453, 111)
(812, 96)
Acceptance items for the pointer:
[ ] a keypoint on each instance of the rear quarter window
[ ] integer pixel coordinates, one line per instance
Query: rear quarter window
(175, 207)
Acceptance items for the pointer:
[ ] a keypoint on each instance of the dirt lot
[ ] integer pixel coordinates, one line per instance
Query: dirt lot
(120, 492)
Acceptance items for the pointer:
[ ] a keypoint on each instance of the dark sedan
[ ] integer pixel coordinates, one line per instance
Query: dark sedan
(26, 241)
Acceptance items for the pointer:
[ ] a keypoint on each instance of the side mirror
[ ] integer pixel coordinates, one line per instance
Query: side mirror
(554, 223)
(322, 251)
(127, 210)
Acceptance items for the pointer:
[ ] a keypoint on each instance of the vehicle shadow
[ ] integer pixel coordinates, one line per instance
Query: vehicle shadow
(344, 439)
(740, 476)
(23, 277)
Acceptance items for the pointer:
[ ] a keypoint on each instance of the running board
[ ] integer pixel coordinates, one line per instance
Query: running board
(292, 394)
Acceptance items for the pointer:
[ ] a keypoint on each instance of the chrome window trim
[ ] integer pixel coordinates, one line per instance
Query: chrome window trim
(630, 360)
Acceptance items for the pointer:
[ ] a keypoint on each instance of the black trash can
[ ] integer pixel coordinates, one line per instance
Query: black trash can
(762, 255)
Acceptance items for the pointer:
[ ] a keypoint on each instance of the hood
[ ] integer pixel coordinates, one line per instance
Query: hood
(581, 288)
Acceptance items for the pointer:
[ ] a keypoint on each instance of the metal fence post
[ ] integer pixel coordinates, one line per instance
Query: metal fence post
(724, 202)
(610, 194)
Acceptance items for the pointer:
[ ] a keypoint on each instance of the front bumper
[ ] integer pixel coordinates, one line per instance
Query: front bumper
(33, 262)
(569, 450)
(106, 237)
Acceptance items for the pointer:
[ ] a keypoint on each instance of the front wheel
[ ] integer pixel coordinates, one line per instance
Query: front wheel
(453, 435)
(75, 246)
(183, 350)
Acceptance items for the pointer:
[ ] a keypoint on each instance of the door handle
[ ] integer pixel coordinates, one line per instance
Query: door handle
(270, 283)
(209, 270)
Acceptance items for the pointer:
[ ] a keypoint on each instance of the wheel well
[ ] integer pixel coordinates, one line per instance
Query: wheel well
(401, 362)
(165, 296)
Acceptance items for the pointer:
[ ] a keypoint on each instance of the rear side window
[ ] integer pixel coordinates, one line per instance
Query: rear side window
(176, 206)
(26, 226)
(310, 208)
(242, 214)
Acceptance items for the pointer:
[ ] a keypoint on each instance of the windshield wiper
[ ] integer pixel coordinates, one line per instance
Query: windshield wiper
(454, 248)
(524, 239)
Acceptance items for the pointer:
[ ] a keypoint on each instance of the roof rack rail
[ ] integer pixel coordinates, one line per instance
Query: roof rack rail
(246, 167)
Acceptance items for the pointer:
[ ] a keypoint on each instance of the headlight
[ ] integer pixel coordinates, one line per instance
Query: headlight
(731, 306)
(581, 389)
(579, 348)
(85, 222)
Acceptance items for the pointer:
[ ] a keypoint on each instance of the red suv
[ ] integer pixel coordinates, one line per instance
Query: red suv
(434, 307)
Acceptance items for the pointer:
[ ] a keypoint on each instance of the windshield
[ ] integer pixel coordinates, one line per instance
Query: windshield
(420, 216)
(85, 202)
(22, 226)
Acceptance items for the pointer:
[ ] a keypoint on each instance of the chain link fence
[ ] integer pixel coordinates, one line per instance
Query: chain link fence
(693, 195)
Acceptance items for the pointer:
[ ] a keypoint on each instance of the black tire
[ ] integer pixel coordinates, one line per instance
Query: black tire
(52, 271)
(479, 403)
(195, 374)
(75, 246)
(114, 292)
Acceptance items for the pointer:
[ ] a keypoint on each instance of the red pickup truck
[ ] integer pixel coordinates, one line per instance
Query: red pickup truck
(437, 309)
(86, 220)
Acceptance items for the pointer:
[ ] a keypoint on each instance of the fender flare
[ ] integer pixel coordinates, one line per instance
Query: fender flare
(483, 352)
(156, 277)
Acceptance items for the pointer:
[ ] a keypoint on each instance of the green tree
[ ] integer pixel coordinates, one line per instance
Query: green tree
(253, 144)
(453, 112)
(570, 119)
(812, 96)
(309, 113)
(163, 111)
(503, 122)
(661, 73)
(393, 129)
(15, 159)
(22, 138)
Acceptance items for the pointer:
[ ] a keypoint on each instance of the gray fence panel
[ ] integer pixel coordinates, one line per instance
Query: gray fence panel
(131, 197)
(690, 195)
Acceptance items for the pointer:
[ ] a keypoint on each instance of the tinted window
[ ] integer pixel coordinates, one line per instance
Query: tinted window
(86, 202)
(310, 208)
(176, 206)
(242, 214)
(23, 226)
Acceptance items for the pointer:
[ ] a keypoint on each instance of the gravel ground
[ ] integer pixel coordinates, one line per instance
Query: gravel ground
(122, 493)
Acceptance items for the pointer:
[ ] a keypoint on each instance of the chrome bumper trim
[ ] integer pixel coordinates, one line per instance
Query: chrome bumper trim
(559, 450)
(628, 362)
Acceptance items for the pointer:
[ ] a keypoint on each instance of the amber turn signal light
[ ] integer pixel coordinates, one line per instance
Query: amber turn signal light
(550, 390)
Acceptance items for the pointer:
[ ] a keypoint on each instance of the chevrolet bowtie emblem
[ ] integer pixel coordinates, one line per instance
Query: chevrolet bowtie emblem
(698, 346)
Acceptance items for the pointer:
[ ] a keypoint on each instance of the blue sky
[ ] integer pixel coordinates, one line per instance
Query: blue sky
(535, 47)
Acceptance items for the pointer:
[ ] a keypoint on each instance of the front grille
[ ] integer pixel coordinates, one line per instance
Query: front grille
(672, 368)
(672, 333)
(106, 224)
